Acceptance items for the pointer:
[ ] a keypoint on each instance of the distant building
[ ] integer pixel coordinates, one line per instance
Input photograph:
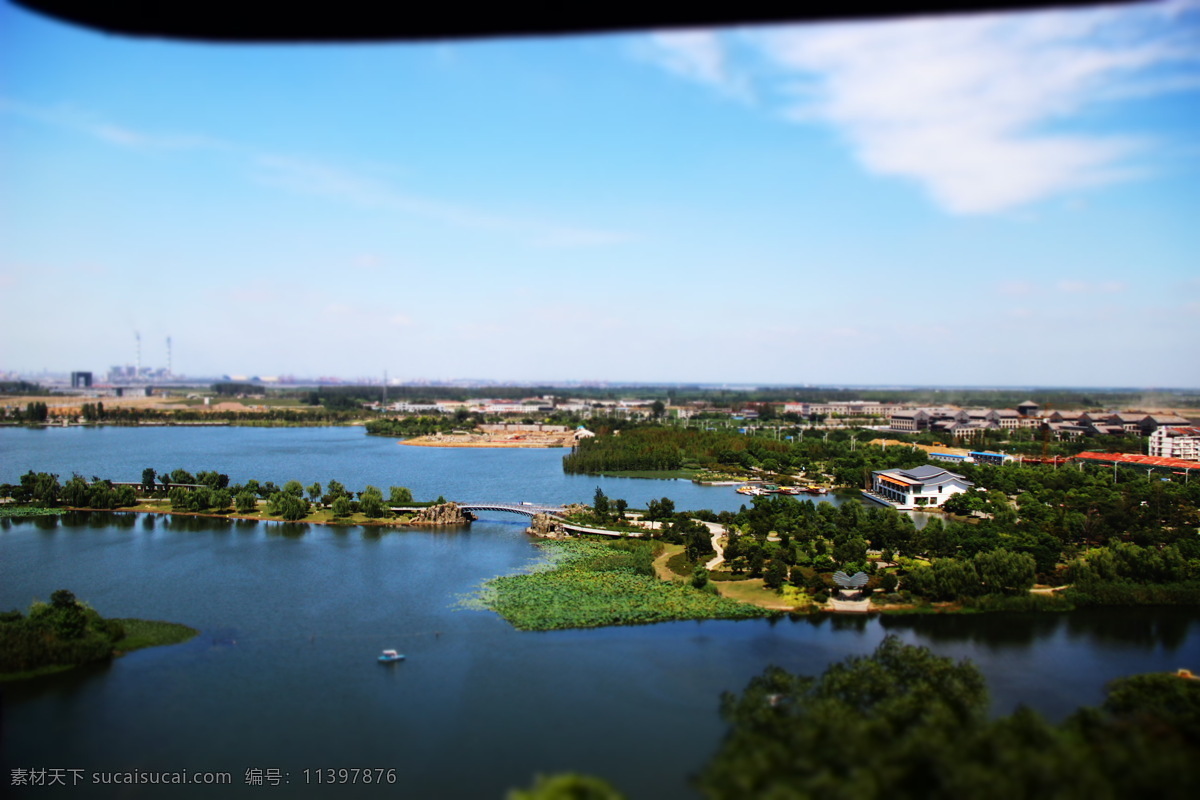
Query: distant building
(81, 380)
(847, 408)
(1028, 409)
(1181, 443)
(921, 487)
(415, 408)
(910, 420)
(994, 459)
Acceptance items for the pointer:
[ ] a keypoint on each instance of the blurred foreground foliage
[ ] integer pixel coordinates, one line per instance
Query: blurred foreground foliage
(904, 723)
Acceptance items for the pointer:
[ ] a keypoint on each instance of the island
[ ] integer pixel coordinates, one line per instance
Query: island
(66, 633)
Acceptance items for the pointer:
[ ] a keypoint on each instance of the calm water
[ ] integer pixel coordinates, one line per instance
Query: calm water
(344, 454)
(283, 675)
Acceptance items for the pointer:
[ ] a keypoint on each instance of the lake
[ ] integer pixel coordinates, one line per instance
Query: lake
(283, 676)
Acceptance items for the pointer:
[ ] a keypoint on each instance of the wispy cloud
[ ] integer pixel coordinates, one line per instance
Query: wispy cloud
(322, 177)
(72, 118)
(967, 107)
(318, 177)
(698, 55)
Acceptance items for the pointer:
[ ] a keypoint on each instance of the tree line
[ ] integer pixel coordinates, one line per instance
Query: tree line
(208, 492)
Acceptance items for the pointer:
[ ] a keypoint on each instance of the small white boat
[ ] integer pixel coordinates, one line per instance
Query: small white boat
(389, 656)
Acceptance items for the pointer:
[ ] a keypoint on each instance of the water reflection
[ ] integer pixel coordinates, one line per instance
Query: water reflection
(1140, 628)
(1167, 628)
(63, 686)
(857, 623)
(290, 530)
(992, 631)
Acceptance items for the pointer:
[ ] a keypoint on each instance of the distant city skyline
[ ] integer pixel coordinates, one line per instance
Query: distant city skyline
(988, 200)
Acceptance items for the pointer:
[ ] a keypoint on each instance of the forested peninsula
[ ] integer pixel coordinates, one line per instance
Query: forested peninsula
(209, 493)
(65, 633)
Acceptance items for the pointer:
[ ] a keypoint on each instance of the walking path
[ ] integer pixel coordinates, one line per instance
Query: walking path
(717, 531)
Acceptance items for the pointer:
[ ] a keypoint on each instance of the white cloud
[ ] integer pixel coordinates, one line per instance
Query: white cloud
(966, 106)
(699, 56)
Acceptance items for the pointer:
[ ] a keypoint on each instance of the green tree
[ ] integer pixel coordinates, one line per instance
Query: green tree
(1159, 700)
(567, 786)
(246, 502)
(399, 496)
(342, 507)
(600, 504)
(834, 736)
(334, 490)
(660, 509)
(39, 488)
(182, 476)
(287, 505)
(851, 551)
(1003, 572)
(619, 506)
(220, 500)
(75, 492)
(775, 574)
(212, 479)
(697, 539)
(314, 492)
(370, 502)
(294, 488)
(148, 476)
(125, 496)
(181, 498)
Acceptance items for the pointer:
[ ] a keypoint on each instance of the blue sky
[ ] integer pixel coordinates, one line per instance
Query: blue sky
(986, 200)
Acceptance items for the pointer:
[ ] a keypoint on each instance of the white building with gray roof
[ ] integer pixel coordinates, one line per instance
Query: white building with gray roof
(921, 487)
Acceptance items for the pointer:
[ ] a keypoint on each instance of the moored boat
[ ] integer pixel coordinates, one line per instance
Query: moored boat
(390, 656)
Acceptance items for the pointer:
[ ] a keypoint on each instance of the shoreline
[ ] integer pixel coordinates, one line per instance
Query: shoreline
(429, 441)
(367, 523)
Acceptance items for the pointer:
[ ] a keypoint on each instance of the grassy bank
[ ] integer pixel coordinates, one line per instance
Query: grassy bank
(664, 474)
(586, 584)
(141, 633)
(319, 516)
(65, 633)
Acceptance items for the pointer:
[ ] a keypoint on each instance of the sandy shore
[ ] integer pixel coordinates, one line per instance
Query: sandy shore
(493, 440)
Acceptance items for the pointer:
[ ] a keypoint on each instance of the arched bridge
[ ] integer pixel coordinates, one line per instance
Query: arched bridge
(528, 509)
(532, 509)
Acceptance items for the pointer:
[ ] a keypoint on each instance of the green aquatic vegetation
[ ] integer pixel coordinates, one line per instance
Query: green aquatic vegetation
(140, 633)
(584, 584)
(30, 511)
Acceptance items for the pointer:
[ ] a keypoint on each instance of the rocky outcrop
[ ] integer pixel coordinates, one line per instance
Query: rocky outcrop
(444, 514)
(546, 527)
